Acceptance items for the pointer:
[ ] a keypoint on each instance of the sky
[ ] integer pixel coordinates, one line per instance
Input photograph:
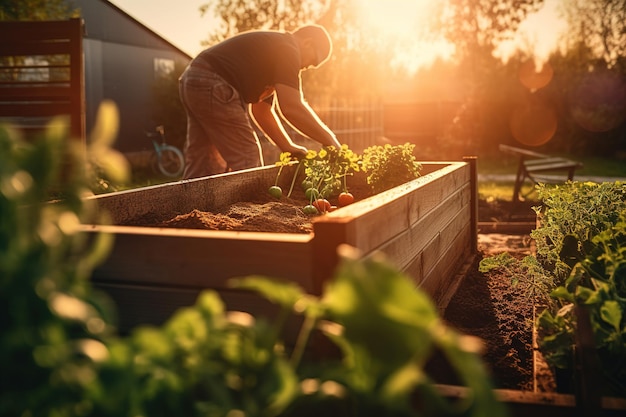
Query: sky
(179, 22)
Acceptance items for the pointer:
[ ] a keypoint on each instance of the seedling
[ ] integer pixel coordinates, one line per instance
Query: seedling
(390, 165)
(284, 160)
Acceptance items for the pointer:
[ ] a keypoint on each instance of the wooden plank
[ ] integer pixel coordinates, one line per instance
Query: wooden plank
(165, 201)
(402, 207)
(48, 38)
(546, 160)
(445, 242)
(537, 404)
(440, 281)
(328, 236)
(565, 165)
(141, 305)
(60, 47)
(138, 305)
(403, 249)
(32, 109)
(45, 92)
(39, 30)
(202, 259)
(424, 263)
(521, 152)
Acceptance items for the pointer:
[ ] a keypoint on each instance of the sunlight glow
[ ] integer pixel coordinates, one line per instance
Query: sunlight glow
(402, 24)
(539, 35)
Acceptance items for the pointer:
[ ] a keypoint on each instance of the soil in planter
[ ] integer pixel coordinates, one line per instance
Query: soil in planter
(486, 305)
(262, 213)
(490, 307)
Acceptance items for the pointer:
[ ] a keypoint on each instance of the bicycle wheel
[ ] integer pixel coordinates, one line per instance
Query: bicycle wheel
(171, 161)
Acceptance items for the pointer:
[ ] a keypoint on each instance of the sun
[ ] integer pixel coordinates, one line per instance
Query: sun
(402, 26)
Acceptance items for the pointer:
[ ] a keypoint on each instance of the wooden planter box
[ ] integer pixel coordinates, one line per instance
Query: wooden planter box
(427, 227)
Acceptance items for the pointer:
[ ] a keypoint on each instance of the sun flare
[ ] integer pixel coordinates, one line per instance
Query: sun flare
(402, 26)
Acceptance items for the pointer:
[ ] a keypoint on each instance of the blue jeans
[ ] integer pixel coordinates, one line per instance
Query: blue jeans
(219, 134)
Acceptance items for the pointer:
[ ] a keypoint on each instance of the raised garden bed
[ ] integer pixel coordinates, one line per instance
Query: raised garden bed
(488, 306)
(426, 228)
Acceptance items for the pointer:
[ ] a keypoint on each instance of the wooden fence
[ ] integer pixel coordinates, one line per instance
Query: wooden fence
(42, 74)
(357, 123)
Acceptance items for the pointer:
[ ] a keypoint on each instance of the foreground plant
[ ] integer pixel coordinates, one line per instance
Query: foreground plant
(60, 355)
(53, 325)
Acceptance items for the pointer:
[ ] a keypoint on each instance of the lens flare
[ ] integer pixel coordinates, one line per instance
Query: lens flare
(533, 124)
(534, 77)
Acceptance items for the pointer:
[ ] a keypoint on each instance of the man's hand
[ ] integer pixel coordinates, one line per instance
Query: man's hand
(297, 151)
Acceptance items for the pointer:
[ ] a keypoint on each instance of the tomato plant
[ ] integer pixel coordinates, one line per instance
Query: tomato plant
(345, 198)
(327, 169)
(306, 184)
(284, 160)
(310, 209)
(311, 193)
(322, 205)
(275, 191)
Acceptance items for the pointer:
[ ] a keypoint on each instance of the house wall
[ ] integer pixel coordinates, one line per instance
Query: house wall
(119, 65)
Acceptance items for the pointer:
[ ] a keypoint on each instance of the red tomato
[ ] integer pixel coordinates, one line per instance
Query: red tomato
(322, 205)
(345, 198)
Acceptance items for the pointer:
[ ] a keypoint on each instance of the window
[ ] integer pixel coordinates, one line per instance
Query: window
(163, 67)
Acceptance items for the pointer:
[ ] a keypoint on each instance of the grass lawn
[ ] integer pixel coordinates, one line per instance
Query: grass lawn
(507, 165)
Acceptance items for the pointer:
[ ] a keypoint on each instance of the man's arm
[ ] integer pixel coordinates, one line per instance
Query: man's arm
(302, 117)
(266, 118)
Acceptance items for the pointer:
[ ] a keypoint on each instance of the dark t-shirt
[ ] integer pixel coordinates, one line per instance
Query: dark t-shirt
(254, 62)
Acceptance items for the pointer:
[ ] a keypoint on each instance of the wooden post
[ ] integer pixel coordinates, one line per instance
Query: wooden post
(472, 160)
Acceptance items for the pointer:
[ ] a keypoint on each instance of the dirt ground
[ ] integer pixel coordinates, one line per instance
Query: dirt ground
(485, 305)
(489, 306)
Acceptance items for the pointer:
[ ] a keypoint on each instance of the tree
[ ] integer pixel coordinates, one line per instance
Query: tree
(600, 26)
(355, 63)
(16, 10)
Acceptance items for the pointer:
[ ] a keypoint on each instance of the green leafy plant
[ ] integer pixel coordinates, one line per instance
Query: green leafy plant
(327, 170)
(526, 273)
(325, 174)
(390, 165)
(53, 325)
(597, 281)
(579, 209)
(579, 259)
(61, 356)
(284, 160)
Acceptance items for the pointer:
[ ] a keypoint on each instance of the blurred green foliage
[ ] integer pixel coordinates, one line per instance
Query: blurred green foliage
(61, 356)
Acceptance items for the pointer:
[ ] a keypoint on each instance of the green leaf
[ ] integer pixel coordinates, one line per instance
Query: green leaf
(284, 293)
(563, 294)
(611, 313)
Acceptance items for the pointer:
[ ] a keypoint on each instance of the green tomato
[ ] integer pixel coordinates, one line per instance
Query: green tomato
(310, 209)
(311, 193)
(306, 184)
(275, 191)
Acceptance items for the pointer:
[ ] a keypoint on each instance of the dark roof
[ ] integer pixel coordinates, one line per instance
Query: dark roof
(105, 21)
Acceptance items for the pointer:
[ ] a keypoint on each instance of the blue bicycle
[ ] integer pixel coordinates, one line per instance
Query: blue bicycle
(167, 159)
